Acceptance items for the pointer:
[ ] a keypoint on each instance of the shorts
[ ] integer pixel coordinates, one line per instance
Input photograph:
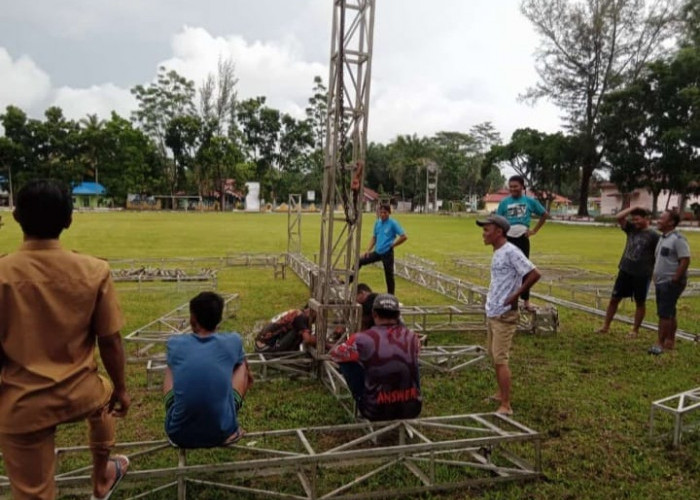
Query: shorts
(169, 399)
(499, 336)
(628, 285)
(667, 295)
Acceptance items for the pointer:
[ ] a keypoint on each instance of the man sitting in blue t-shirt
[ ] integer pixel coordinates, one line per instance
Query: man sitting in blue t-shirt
(206, 380)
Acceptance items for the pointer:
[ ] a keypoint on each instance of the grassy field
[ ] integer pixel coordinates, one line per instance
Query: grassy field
(588, 394)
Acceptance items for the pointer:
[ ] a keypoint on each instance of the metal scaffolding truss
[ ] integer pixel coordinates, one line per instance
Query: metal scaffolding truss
(680, 406)
(452, 287)
(294, 224)
(543, 320)
(264, 367)
(360, 460)
(345, 150)
(175, 322)
(193, 265)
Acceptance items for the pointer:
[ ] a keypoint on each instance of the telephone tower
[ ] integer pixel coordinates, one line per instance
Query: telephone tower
(343, 178)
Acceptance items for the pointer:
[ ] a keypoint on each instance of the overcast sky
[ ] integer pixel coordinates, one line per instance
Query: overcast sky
(438, 64)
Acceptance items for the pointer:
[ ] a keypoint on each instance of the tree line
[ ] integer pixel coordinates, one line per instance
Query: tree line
(625, 75)
(187, 140)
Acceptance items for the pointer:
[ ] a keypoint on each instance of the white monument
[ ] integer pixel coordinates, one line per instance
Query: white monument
(252, 199)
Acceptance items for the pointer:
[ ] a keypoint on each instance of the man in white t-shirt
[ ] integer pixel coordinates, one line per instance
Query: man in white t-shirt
(511, 275)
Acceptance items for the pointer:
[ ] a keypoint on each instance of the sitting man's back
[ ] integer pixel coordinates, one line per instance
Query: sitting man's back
(206, 380)
(381, 365)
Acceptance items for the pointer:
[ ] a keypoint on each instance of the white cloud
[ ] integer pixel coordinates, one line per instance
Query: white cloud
(274, 69)
(97, 99)
(441, 65)
(22, 83)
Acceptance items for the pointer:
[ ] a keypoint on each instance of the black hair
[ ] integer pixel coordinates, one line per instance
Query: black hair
(207, 308)
(517, 178)
(363, 287)
(640, 212)
(44, 208)
(385, 206)
(675, 217)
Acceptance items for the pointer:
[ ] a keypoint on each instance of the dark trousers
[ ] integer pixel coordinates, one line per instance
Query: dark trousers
(523, 243)
(354, 375)
(388, 262)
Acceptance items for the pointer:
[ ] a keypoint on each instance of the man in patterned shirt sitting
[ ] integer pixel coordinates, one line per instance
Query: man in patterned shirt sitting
(380, 365)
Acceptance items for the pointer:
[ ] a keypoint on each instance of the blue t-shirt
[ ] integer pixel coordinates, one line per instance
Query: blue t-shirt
(385, 232)
(519, 210)
(203, 412)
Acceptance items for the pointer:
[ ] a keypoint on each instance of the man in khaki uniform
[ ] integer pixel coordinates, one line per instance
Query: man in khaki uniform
(54, 306)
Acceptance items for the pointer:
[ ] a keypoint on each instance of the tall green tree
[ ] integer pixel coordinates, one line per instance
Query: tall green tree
(170, 96)
(260, 126)
(548, 162)
(588, 49)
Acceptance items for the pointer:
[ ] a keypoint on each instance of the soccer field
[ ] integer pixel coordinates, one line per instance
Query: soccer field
(588, 394)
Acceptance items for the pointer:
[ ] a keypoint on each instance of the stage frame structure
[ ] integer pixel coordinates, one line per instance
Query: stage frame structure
(430, 454)
(679, 406)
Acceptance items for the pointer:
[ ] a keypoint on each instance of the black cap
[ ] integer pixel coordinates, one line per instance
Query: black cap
(386, 302)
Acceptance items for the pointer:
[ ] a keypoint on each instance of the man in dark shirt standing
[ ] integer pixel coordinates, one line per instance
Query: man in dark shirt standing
(380, 365)
(635, 268)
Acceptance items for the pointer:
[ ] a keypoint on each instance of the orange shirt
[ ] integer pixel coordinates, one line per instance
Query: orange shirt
(53, 306)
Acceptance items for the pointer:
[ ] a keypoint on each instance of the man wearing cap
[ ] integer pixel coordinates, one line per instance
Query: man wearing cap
(380, 365)
(511, 275)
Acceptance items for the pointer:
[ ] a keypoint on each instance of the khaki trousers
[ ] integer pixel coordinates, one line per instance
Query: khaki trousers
(30, 459)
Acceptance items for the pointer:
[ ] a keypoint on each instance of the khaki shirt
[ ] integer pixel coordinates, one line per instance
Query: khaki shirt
(53, 306)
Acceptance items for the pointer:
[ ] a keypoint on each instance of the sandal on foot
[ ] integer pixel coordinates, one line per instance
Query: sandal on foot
(233, 438)
(656, 350)
(120, 473)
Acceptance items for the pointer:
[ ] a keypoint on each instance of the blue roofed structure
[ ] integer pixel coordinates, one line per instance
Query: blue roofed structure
(88, 194)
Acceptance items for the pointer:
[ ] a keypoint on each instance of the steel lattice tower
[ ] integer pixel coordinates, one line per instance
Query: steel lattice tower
(345, 149)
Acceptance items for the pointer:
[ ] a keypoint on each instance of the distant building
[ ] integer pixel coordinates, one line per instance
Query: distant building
(612, 200)
(88, 194)
(370, 199)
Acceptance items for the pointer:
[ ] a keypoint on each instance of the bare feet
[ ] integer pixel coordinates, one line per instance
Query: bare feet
(505, 410)
(602, 329)
(633, 334)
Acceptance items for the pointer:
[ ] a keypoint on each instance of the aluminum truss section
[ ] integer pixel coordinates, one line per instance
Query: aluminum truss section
(452, 287)
(175, 322)
(543, 320)
(431, 187)
(149, 278)
(306, 270)
(294, 224)
(452, 318)
(264, 367)
(679, 405)
(348, 461)
(345, 150)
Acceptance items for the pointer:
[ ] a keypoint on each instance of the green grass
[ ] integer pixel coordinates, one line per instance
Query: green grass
(589, 395)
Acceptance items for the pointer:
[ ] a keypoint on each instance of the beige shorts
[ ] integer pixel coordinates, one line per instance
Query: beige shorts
(499, 336)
